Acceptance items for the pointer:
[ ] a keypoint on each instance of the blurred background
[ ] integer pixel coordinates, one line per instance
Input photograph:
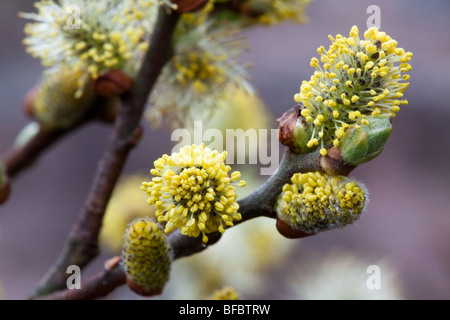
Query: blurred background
(406, 228)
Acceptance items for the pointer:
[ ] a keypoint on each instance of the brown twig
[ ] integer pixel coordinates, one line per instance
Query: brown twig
(97, 286)
(82, 243)
(258, 204)
(19, 157)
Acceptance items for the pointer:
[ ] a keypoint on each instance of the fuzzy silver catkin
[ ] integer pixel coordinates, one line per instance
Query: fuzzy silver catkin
(317, 202)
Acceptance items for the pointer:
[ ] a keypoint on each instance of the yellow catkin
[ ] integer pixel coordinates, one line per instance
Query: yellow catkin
(103, 35)
(145, 255)
(203, 66)
(277, 11)
(194, 192)
(316, 202)
(227, 293)
(56, 105)
(359, 77)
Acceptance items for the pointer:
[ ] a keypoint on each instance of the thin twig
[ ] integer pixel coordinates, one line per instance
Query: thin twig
(82, 243)
(20, 157)
(258, 204)
(97, 286)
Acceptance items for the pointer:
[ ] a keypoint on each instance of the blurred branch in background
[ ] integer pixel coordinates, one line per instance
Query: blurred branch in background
(24, 153)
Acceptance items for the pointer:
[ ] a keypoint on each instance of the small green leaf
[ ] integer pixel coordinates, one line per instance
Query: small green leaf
(363, 144)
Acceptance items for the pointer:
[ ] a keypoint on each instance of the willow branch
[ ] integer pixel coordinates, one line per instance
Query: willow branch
(259, 203)
(82, 243)
(19, 157)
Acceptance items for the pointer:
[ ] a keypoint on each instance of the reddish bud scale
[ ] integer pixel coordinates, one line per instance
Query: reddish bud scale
(184, 6)
(333, 163)
(28, 102)
(4, 191)
(287, 124)
(288, 232)
(113, 83)
(141, 291)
